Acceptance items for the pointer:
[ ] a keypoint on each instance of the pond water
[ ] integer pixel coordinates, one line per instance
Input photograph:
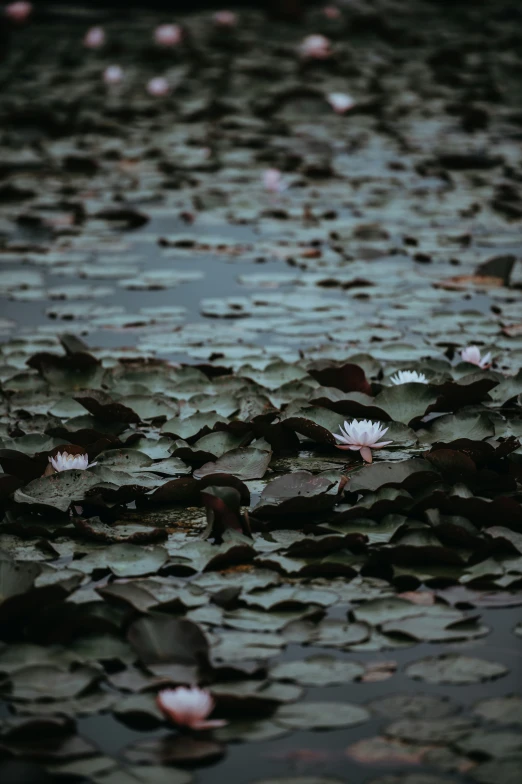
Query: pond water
(141, 225)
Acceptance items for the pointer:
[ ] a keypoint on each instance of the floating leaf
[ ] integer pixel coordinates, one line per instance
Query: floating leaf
(503, 710)
(57, 491)
(175, 750)
(321, 715)
(318, 671)
(51, 683)
(159, 639)
(454, 668)
(246, 463)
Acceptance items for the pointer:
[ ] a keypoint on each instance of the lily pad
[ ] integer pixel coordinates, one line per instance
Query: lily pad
(57, 491)
(320, 715)
(318, 671)
(455, 668)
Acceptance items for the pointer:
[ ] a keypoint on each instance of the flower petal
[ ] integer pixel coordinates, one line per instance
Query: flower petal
(366, 454)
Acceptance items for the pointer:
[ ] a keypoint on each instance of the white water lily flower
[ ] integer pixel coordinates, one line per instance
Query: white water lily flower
(471, 354)
(113, 74)
(408, 377)
(158, 86)
(188, 707)
(315, 47)
(168, 34)
(340, 102)
(274, 181)
(362, 436)
(63, 461)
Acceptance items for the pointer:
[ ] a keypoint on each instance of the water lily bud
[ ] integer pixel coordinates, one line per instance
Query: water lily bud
(341, 102)
(225, 19)
(113, 74)
(158, 86)
(19, 12)
(188, 707)
(472, 355)
(315, 47)
(332, 12)
(94, 38)
(168, 34)
(273, 181)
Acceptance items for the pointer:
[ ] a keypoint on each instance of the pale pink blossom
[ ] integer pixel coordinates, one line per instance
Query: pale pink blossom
(274, 181)
(225, 19)
(340, 102)
(63, 461)
(19, 12)
(315, 47)
(188, 707)
(113, 74)
(158, 86)
(94, 38)
(168, 34)
(362, 436)
(472, 355)
(331, 12)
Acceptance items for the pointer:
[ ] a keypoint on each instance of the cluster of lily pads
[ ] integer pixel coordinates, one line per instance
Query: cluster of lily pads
(173, 526)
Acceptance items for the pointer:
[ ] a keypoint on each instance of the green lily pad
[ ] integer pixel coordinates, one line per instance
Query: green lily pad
(454, 668)
(475, 427)
(406, 402)
(502, 710)
(320, 670)
(320, 715)
(124, 560)
(51, 683)
(245, 463)
(250, 731)
(413, 706)
(505, 770)
(57, 491)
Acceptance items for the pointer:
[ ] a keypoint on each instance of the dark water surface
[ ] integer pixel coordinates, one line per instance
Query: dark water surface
(285, 757)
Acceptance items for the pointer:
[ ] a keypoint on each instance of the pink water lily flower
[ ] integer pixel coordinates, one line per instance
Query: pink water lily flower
(332, 12)
(189, 707)
(113, 74)
(472, 355)
(315, 47)
(168, 34)
(94, 38)
(341, 102)
(362, 436)
(63, 461)
(158, 86)
(225, 19)
(19, 12)
(274, 181)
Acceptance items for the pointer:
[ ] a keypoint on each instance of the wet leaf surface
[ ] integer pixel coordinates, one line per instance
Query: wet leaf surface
(452, 668)
(321, 715)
